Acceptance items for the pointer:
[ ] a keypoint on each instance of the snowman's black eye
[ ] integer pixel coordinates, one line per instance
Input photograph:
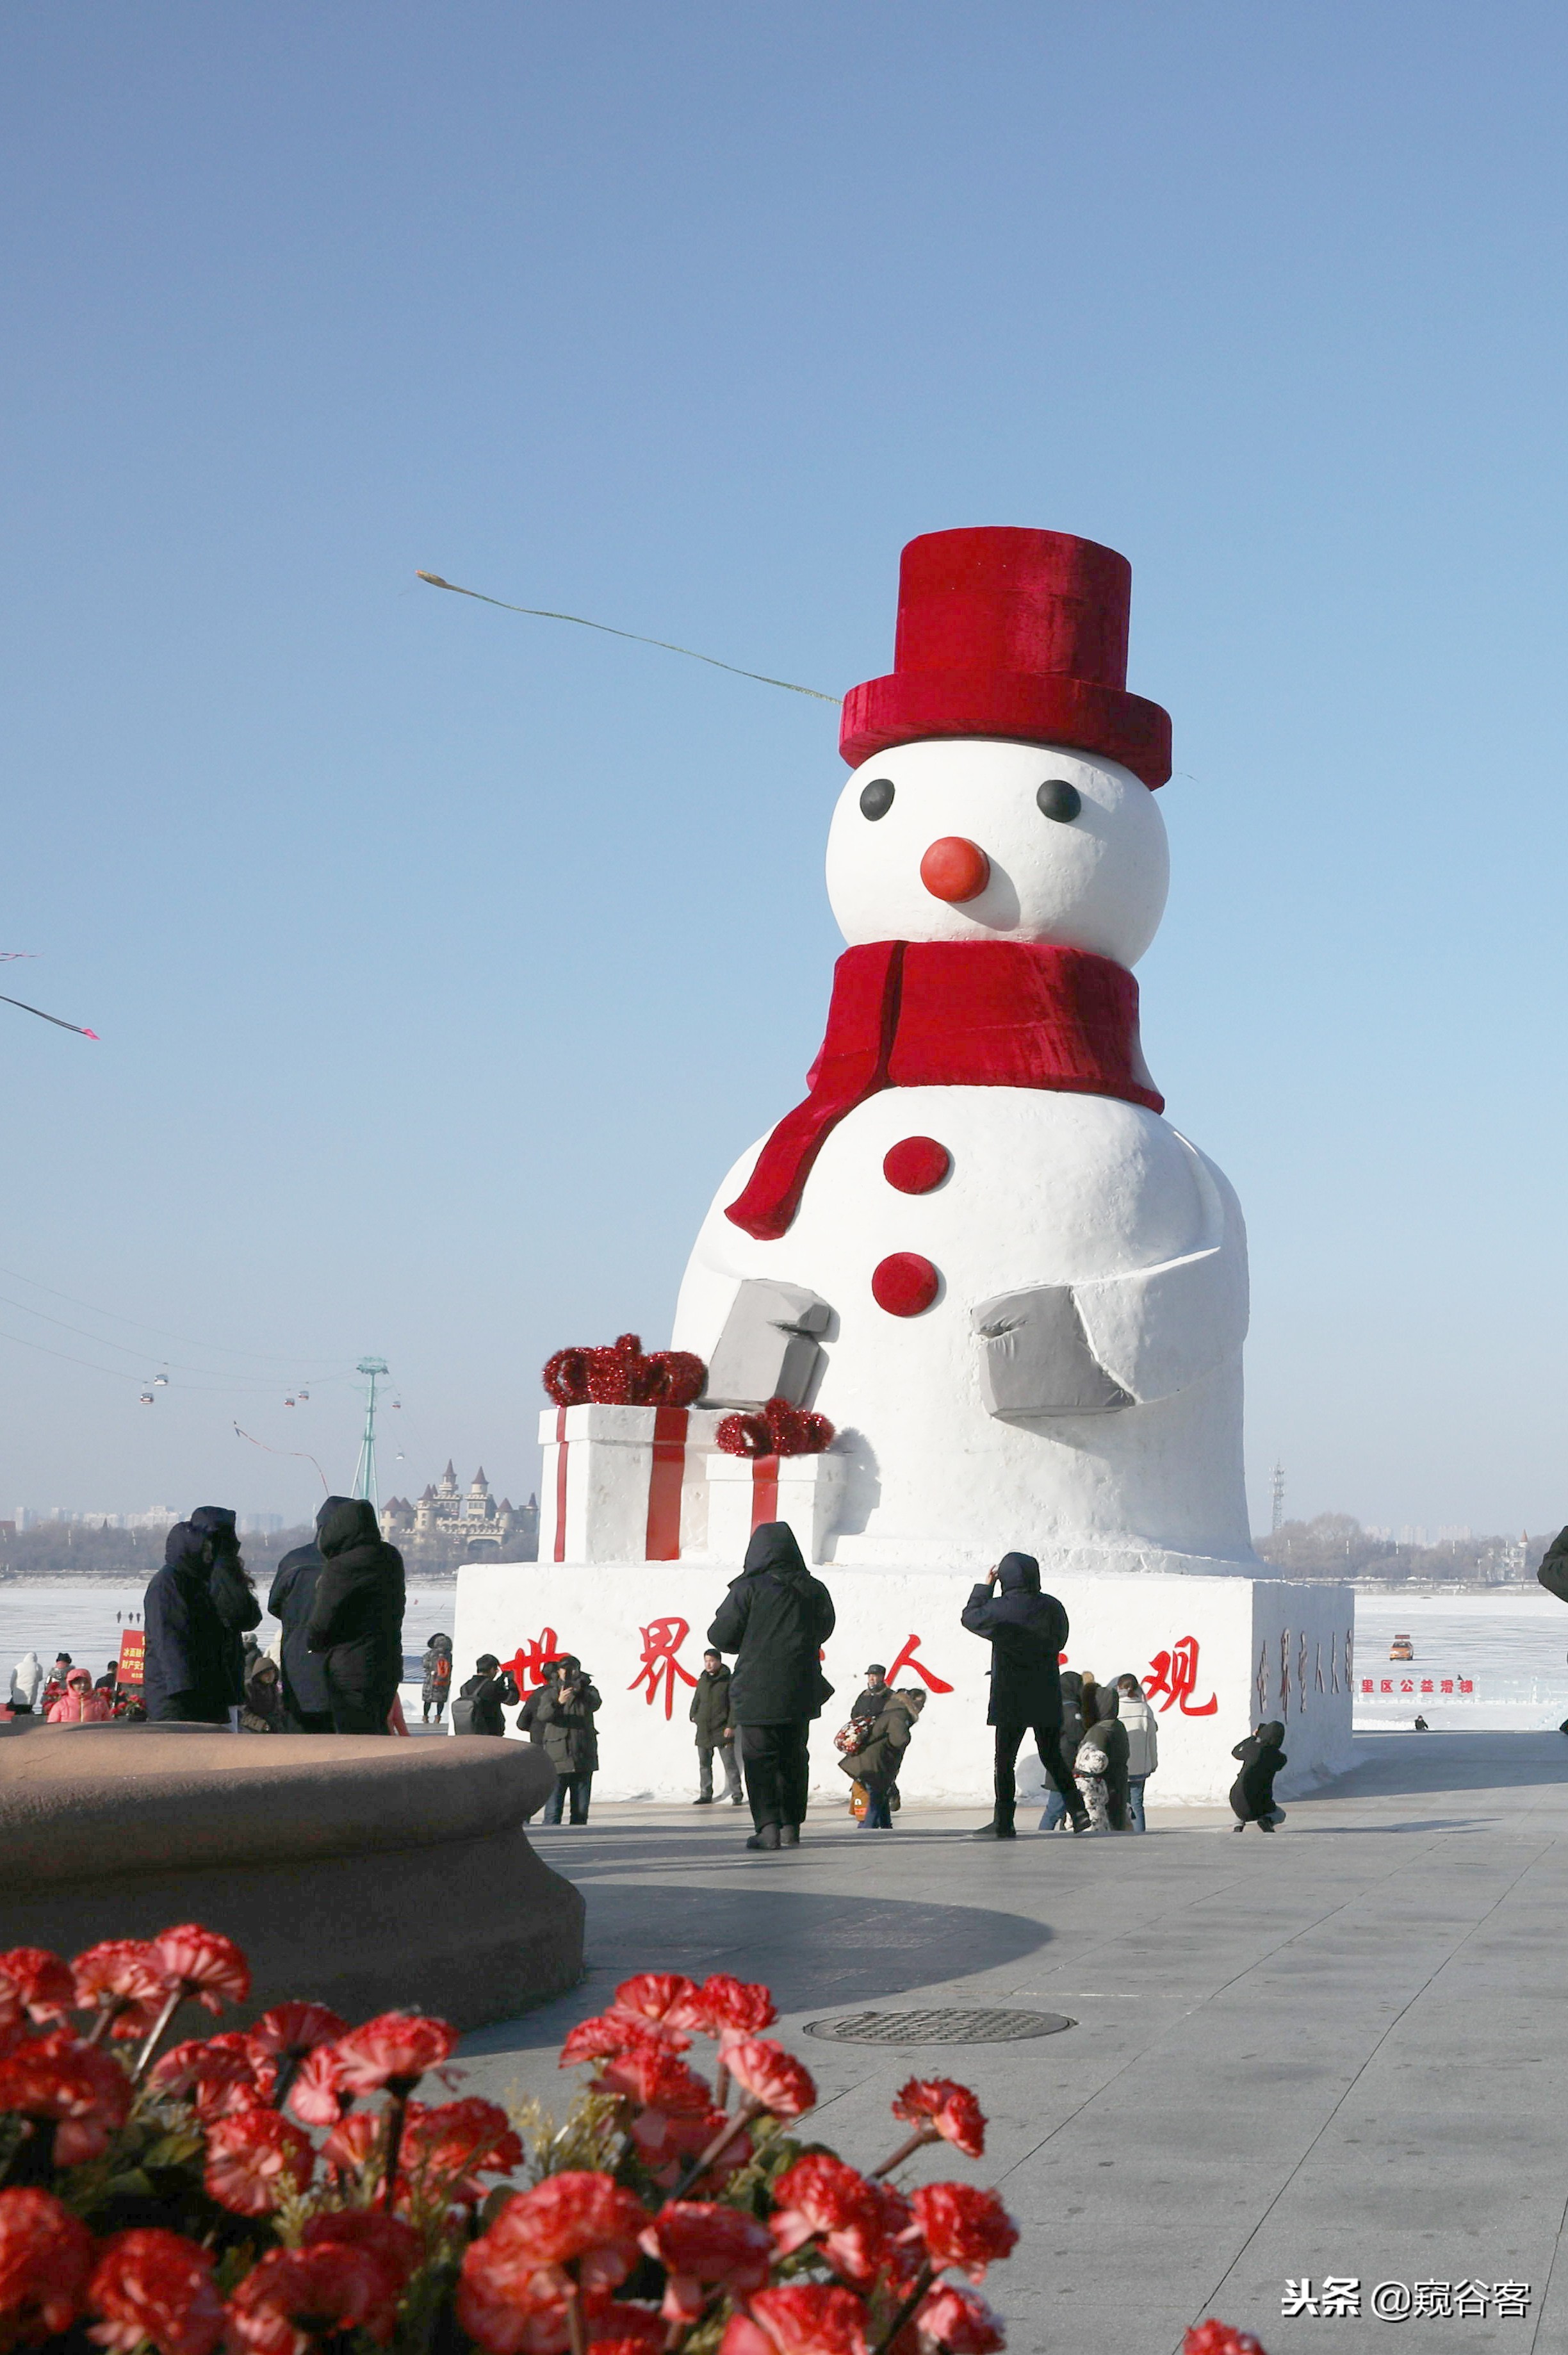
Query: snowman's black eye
(1059, 800)
(877, 798)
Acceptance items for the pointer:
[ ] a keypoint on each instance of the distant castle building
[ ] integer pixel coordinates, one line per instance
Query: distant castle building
(447, 1521)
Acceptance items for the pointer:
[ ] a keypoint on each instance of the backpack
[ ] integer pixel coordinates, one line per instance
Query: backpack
(441, 1669)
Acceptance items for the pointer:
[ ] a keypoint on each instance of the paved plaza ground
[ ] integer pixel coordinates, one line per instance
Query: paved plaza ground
(1337, 2052)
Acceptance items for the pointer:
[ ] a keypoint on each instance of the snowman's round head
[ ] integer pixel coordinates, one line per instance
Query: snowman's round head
(972, 838)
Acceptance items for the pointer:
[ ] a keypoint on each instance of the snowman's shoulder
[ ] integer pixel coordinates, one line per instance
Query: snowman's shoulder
(1222, 1203)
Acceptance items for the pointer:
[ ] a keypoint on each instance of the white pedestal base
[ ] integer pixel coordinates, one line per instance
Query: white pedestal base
(1255, 1647)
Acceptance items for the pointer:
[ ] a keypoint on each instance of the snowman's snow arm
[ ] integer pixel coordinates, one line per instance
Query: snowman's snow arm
(769, 1345)
(1162, 1327)
(1110, 1342)
(1159, 1328)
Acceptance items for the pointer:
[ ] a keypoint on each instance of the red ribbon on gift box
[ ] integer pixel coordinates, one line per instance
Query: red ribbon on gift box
(663, 1533)
(765, 1489)
(664, 1484)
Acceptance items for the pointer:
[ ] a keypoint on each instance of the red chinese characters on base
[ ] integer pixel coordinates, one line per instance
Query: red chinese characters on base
(1430, 1688)
(527, 1664)
(1174, 1675)
(906, 1659)
(662, 1639)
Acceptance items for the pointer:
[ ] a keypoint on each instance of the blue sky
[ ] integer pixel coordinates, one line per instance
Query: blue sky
(443, 960)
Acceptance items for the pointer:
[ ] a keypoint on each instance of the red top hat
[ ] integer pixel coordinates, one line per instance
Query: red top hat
(1009, 633)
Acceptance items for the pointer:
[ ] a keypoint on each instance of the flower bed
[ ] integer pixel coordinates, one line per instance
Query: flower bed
(281, 2189)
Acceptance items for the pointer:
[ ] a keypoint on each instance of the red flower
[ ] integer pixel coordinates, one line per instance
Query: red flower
(944, 2108)
(253, 2159)
(120, 1977)
(703, 2246)
(614, 2032)
(819, 2198)
(202, 1963)
(392, 2051)
(450, 2146)
(289, 2031)
(46, 2255)
(216, 2072)
(353, 2144)
(658, 1994)
(963, 2226)
(57, 2079)
(295, 2297)
(962, 2324)
(771, 2076)
(575, 2216)
(511, 2309)
(317, 2096)
(37, 1982)
(625, 2329)
(1214, 2337)
(652, 2075)
(396, 2244)
(801, 2318)
(735, 2006)
(514, 2287)
(157, 2285)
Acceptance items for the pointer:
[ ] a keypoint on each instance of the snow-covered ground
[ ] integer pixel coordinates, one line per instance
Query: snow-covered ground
(1510, 1647)
(79, 1617)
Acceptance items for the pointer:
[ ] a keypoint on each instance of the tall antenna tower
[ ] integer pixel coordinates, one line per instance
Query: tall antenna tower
(1278, 1497)
(364, 1471)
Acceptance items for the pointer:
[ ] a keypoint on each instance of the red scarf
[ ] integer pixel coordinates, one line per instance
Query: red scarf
(946, 1014)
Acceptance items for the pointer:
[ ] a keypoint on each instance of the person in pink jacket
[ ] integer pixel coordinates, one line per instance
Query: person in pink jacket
(81, 1705)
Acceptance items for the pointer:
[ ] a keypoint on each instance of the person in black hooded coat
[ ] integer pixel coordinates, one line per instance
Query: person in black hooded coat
(306, 1703)
(192, 1673)
(356, 1619)
(776, 1617)
(1252, 1793)
(1026, 1631)
(234, 1598)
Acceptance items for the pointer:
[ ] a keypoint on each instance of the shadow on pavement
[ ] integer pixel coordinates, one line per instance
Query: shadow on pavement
(812, 1949)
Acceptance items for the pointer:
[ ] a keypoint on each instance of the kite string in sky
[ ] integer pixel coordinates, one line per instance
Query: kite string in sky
(301, 1452)
(543, 614)
(57, 1020)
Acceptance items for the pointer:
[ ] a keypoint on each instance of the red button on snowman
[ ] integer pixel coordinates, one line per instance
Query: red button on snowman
(977, 1245)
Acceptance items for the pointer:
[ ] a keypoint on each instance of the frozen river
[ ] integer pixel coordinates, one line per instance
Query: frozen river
(1511, 1647)
(79, 1617)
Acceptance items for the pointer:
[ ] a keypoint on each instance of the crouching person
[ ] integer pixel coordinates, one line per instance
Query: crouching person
(1252, 1793)
(875, 1765)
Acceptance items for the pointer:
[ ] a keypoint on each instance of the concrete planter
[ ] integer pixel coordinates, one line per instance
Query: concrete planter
(369, 1874)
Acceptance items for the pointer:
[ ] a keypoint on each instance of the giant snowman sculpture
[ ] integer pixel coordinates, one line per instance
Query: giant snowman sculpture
(1017, 1293)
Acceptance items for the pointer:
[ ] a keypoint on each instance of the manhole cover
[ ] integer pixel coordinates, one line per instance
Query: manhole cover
(946, 2027)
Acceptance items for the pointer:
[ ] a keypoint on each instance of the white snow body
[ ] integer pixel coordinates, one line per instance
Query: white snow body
(1045, 1188)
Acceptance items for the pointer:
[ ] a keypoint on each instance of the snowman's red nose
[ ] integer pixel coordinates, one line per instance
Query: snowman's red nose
(954, 868)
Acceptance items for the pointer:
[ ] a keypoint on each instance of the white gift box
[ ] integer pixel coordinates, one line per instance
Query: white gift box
(624, 1483)
(745, 1490)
